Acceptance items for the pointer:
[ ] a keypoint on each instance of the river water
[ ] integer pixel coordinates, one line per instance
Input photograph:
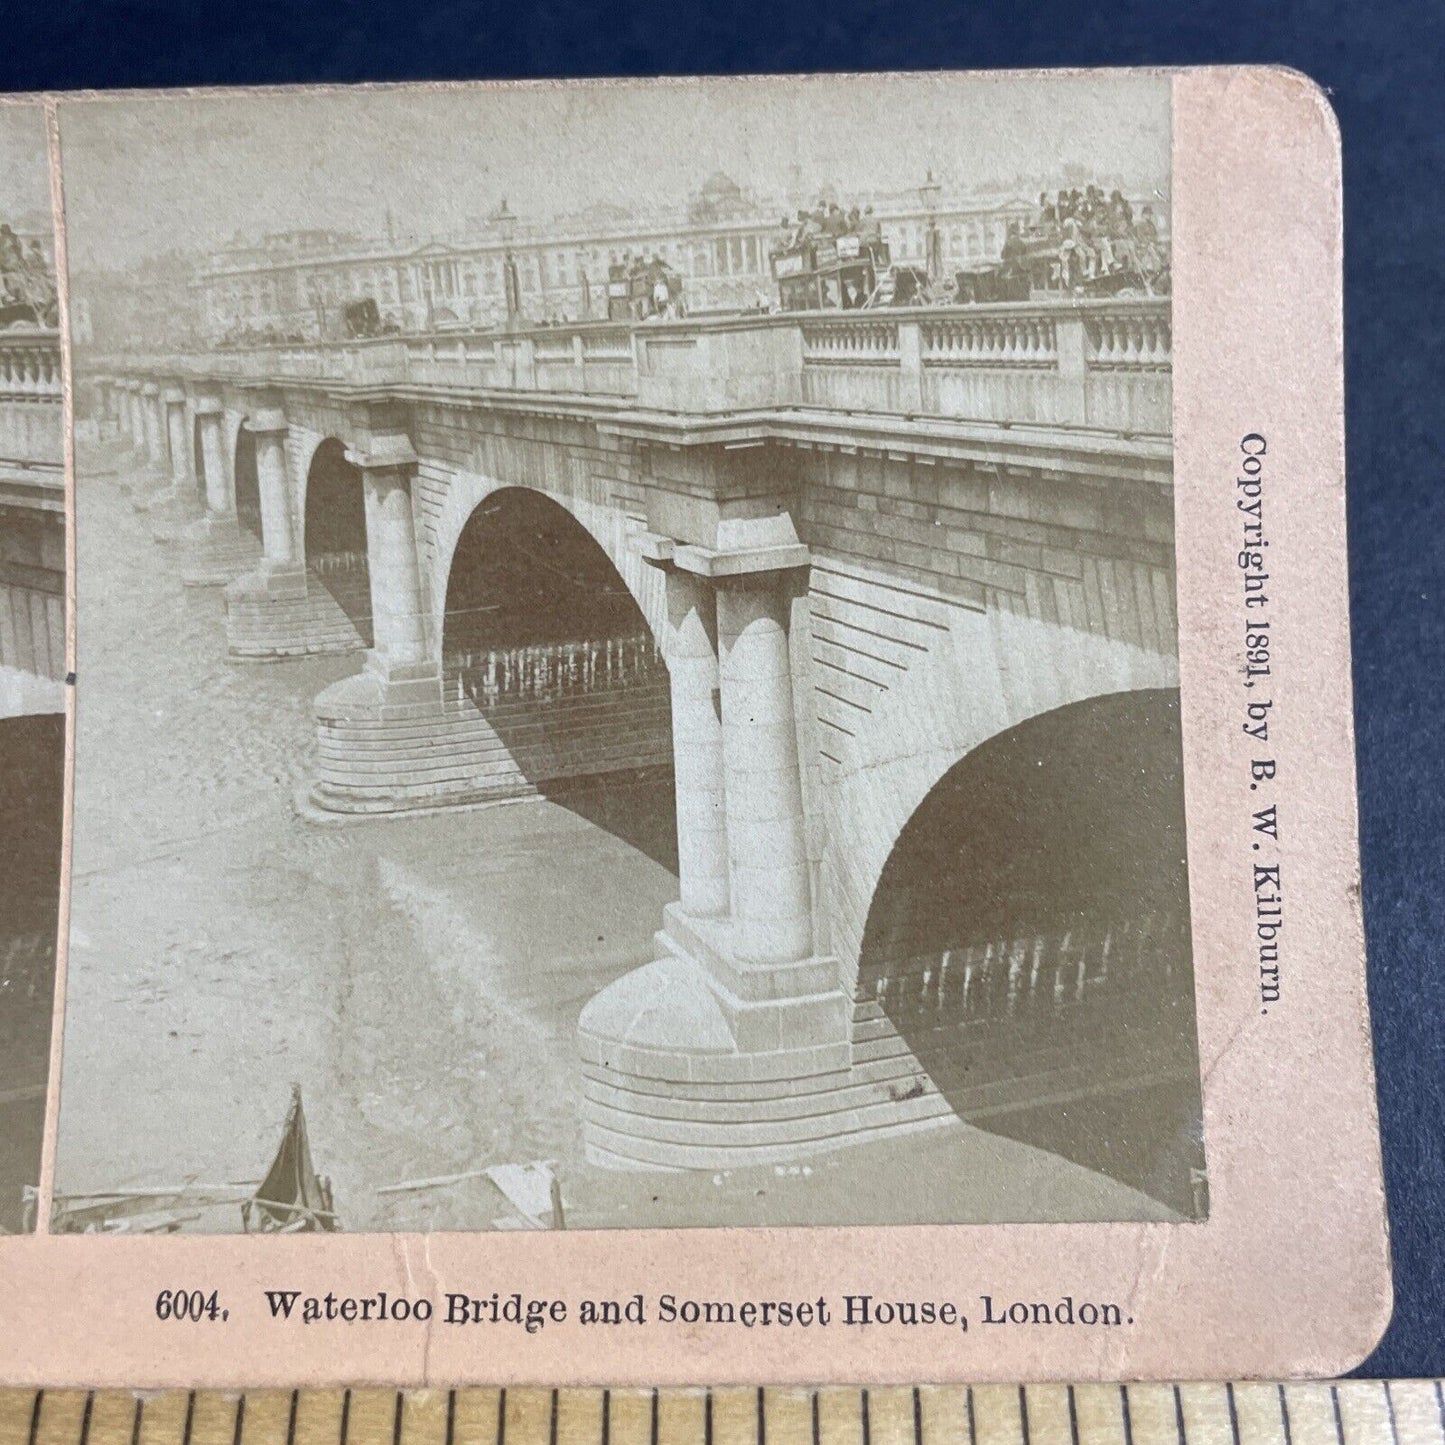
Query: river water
(419, 978)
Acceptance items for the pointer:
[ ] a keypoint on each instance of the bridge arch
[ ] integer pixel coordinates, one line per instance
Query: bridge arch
(333, 537)
(606, 525)
(1029, 941)
(973, 676)
(541, 636)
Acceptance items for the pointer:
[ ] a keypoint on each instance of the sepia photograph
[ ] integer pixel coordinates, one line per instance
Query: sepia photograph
(32, 652)
(627, 659)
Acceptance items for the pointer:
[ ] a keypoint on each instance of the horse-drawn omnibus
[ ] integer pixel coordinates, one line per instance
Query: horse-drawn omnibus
(639, 290)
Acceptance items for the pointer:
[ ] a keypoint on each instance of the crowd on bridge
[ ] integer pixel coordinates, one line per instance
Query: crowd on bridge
(1091, 238)
(27, 282)
(269, 335)
(826, 218)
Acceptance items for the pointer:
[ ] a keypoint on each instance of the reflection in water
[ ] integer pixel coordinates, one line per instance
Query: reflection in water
(551, 671)
(1039, 980)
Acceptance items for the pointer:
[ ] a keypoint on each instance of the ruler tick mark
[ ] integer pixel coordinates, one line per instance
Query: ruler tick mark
(241, 1421)
(35, 1415)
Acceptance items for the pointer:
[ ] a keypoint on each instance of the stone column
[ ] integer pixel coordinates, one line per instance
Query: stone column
(278, 542)
(767, 851)
(174, 401)
(398, 628)
(220, 492)
(697, 743)
(154, 422)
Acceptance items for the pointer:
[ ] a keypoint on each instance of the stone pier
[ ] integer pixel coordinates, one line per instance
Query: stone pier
(732, 1046)
(178, 505)
(271, 612)
(380, 729)
(218, 549)
(153, 472)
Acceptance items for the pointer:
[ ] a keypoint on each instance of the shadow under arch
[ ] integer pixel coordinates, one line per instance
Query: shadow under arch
(335, 536)
(1029, 940)
(542, 636)
(32, 793)
(199, 453)
(248, 487)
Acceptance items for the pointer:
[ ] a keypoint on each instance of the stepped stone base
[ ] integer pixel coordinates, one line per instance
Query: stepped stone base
(681, 1073)
(390, 745)
(148, 486)
(275, 614)
(217, 551)
(172, 511)
(108, 457)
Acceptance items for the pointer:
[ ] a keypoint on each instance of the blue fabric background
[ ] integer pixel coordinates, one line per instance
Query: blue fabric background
(1382, 63)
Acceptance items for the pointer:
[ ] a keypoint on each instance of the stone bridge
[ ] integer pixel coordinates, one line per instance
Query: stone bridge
(32, 742)
(32, 524)
(880, 589)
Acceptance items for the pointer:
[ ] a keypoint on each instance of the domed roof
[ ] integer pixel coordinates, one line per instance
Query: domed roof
(720, 186)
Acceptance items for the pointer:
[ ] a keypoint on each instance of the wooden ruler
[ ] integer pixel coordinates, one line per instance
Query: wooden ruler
(1355, 1412)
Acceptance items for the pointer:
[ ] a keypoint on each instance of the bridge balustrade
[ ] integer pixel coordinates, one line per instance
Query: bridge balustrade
(30, 398)
(1097, 365)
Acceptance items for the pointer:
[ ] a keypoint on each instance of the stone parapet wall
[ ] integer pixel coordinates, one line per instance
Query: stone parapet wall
(1093, 554)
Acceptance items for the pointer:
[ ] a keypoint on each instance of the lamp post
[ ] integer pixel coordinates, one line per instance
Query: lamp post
(928, 193)
(505, 223)
(318, 305)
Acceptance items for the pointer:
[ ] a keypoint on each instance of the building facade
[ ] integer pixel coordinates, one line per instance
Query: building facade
(297, 285)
